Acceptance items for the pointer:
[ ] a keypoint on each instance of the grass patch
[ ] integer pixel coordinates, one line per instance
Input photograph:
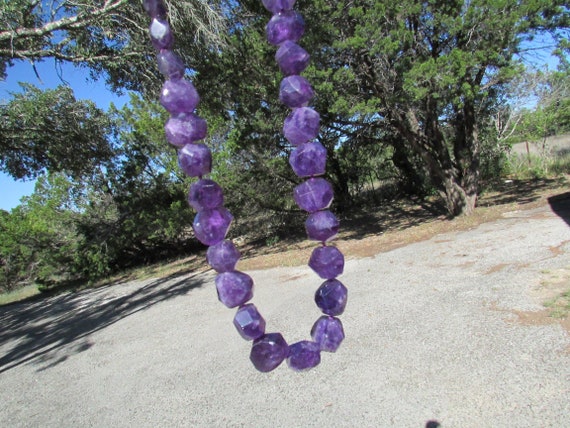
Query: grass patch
(19, 294)
(559, 306)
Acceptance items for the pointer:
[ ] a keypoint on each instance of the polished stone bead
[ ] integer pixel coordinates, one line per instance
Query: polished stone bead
(285, 26)
(322, 226)
(223, 256)
(331, 297)
(328, 333)
(309, 159)
(295, 91)
(205, 194)
(327, 262)
(301, 126)
(179, 96)
(315, 194)
(268, 351)
(234, 288)
(154, 8)
(249, 323)
(195, 160)
(211, 226)
(161, 34)
(292, 58)
(304, 355)
(276, 6)
(170, 64)
(185, 128)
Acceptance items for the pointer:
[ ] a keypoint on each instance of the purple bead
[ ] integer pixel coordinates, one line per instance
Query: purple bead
(161, 34)
(313, 195)
(309, 159)
(327, 262)
(170, 64)
(301, 125)
(154, 8)
(185, 128)
(304, 355)
(268, 351)
(328, 333)
(295, 91)
(292, 58)
(285, 26)
(205, 194)
(249, 323)
(331, 297)
(322, 226)
(195, 160)
(223, 256)
(276, 6)
(179, 96)
(211, 226)
(234, 288)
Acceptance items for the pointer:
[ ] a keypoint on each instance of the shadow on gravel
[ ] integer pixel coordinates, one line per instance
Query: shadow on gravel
(560, 205)
(39, 328)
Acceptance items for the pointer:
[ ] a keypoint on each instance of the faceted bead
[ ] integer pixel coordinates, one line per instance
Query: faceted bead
(288, 25)
(154, 8)
(249, 323)
(179, 96)
(292, 58)
(195, 160)
(327, 262)
(268, 351)
(331, 297)
(322, 226)
(301, 125)
(185, 128)
(234, 288)
(313, 195)
(161, 34)
(295, 91)
(276, 6)
(304, 355)
(223, 256)
(309, 159)
(211, 226)
(205, 194)
(328, 333)
(170, 64)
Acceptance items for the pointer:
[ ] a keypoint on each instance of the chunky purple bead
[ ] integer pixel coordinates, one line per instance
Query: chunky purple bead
(179, 96)
(268, 351)
(185, 128)
(249, 322)
(195, 160)
(301, 125)
(303, 355)
(331, 297)
(276, 6)
(211, 226)
(234, 288)
(322, 226)
(295, 91)
(170, 64)
(327, 262)
(160, 34)
(309, 159)
(154, 8)
(223, 256)
(313, 195)
(328, 333)
(285, 26)
(205, 194)
(292, 58)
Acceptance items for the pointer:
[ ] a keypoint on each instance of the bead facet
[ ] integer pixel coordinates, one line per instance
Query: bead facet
(313, 195)
(309, 159)
(249, 322)
(327, 262)
(276, 6)
(205, 194)
(179, 96)
(288, 25)
(328, 333)
(185, 128)
(301, 125)
(268, 351)
(154, 8)
(170, 64)
(292, 58)
(234, 288)
(295, 91)
(211, 226)
(195, 160)
(322, 226)
(331, 297)
(160, 34)
(223, 256)
(304, 355)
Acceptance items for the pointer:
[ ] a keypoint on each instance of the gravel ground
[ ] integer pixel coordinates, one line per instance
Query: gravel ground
(435, 337)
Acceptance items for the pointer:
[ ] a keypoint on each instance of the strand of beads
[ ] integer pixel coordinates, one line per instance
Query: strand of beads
(184, 129)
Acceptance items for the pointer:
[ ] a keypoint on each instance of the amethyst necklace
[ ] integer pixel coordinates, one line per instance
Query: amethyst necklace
(184, 129)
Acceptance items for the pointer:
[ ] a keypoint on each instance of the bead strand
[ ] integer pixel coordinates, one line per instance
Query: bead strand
(184, 129)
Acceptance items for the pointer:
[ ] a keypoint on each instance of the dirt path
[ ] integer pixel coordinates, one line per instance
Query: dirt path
(449, 331)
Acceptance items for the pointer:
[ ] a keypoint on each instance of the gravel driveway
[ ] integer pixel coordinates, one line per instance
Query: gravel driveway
(445, 332)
